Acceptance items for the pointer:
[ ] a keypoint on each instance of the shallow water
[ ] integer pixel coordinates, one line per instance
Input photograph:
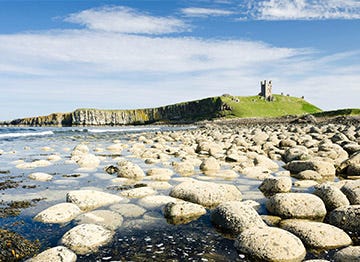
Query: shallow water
(144, 238)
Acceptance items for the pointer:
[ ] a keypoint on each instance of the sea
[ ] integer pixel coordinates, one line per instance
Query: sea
(148, 237)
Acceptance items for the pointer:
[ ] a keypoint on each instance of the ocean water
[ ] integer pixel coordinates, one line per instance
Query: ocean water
(149, 237)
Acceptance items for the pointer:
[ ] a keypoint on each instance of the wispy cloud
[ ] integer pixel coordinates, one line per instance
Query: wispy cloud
(302, 9)
(126, 20)
(205, 12)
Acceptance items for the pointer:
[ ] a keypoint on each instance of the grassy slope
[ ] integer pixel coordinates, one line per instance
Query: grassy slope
(339, 112)
(255, 106)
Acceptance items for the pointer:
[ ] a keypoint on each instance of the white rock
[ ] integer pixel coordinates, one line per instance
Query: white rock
(55, 254)
(88, 161)
(159, 171)
(90, 199)
(331, 196)
(273, 185)
(39, 176)
(210, 164)
(86, 238)
(54, 158)
(183, 209)
(130, 170)
(348, 254)
(34, 164)
(207, 194)
(296, 205)
(128, 210)
(138, 192)
(270, 244)
(156, 201)
(323, 168)
(106, 218)
(60, 213)
(235, 217)
(317, 235)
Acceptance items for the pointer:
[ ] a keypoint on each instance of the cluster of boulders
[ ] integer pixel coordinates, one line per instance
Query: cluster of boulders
(202, 165)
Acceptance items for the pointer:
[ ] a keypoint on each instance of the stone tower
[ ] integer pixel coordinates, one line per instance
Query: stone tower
(266, 90)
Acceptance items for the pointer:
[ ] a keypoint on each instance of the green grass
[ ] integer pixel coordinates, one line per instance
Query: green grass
(339, 112)
(256, 106)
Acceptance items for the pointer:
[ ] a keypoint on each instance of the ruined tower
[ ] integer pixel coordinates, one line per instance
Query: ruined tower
(266, 90)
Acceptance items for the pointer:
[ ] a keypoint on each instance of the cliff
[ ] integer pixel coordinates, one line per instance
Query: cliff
(183, 112)
(209, 108)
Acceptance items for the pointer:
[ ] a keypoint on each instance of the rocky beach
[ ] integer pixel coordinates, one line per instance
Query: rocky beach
(285, 189)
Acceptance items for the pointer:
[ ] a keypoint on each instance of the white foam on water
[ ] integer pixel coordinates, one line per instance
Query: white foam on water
(14, 135)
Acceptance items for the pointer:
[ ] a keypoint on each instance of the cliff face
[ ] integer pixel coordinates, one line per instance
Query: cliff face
(189, 111)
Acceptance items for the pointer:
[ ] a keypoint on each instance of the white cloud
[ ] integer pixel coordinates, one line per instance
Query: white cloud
(205, 12)
(302, 9)
(126, 20)
(72, 51)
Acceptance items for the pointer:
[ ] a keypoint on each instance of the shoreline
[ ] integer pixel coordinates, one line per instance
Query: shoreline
(228, 156)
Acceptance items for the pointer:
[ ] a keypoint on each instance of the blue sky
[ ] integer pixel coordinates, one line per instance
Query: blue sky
(56, 56)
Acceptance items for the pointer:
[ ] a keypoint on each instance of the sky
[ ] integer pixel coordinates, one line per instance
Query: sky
(57, 56)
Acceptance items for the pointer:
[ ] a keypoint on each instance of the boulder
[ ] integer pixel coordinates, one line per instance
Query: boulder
(352, 191)
(88, 161)
(257, 172)
(206, 193)
(138, 192)
(331, 196)
(351, 161)
(348, 254)
(39, 176)
(86, 238)
(130, 170)
(296, 205)
(106, 218)
(270, 244)
(156, 201)
(308, 175)
(273, 185)
(128, 210)
(184, 168)
(87, 200)
(210, 164)
(322, 167)
(78, 151)
(60, 213)
(265, 162)
(160, 171)
(353, 170)
(183, 212)
(317, 235)
(296, 153)
(235, 217)
(55, 254)
(346, 218)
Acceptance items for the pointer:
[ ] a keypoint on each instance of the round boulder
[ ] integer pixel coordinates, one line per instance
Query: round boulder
(207, 194)
(130, 170)
(106, 218)
(90, 199)
(317, 235)
(235, 217)
(273, 185)
(323, 168)
(352, 191)
(331, 196)
(270, 244)
(346, 218)
(55, 254)
(60, 213)
(296, 205)
(348, 254)
(86, 238)
(210, 164)
(39, 176)
(182, 211)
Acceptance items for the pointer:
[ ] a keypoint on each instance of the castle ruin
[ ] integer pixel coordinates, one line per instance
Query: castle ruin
(266, 90)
